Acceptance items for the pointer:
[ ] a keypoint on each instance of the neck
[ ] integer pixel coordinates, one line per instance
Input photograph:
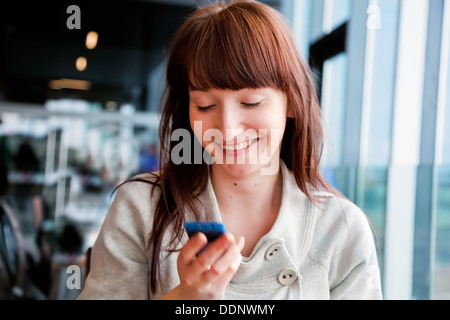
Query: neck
(254, 193)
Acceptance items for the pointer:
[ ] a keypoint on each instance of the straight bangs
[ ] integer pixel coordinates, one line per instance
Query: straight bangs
(235, 48)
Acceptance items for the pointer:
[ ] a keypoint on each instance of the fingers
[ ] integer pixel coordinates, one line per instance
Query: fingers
(198, 264)
(232, 255)
(215, 250)
(226, 266)
(194, 245)
(208, 274)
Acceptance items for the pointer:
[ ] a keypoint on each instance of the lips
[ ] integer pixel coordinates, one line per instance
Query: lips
(239, 146)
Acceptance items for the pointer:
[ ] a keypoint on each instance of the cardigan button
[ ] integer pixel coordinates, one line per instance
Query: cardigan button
(287, 276)
(272, 251)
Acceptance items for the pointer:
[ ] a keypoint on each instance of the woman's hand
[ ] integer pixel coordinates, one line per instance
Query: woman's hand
(206, 276)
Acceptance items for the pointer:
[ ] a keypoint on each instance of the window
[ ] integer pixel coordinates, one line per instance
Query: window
(441, 275)
(333, 106)
(382, 74)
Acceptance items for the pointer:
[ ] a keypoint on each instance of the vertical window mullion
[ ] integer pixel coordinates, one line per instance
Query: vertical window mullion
(406, 129)
(424, 249)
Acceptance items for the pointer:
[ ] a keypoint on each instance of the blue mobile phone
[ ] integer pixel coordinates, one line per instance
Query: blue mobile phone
(212, 230)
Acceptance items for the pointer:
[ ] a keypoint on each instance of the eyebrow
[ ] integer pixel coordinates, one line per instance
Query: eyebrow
(197, 90)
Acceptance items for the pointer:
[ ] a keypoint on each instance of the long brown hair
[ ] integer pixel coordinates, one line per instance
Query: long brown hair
(233, 45)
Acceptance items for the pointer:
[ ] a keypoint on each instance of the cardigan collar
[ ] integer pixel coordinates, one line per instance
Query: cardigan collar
(294, 223)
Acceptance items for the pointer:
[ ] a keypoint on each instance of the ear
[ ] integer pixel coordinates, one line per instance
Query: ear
(290, 112)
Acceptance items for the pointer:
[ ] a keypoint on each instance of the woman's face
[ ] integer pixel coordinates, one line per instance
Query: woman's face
(242, 130)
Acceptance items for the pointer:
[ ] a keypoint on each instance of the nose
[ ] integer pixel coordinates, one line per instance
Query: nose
(229, 122)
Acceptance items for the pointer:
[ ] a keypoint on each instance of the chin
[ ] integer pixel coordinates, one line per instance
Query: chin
(239, 171)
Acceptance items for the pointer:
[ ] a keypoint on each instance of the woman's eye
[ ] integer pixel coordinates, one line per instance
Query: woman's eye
(199, 108)
(248, 105)
(253, 105)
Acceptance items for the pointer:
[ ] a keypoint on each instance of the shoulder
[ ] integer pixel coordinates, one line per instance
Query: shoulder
(333, 212)
(342, 227)
(338, 209)
(137, 187)
(334, 222)
(344, 241)
(134, 202)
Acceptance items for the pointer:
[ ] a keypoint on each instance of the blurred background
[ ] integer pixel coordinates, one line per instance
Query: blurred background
(80, 88)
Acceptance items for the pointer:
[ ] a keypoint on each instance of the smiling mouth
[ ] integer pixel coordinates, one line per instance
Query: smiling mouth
(239, 146)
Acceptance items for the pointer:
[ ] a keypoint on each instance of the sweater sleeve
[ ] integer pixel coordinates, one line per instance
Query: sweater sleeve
(355, 272)
(119, 265)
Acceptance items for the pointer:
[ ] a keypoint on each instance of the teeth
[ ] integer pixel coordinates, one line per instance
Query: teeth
(240, 146)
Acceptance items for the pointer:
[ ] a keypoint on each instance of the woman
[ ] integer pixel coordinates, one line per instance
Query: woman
(236, 83)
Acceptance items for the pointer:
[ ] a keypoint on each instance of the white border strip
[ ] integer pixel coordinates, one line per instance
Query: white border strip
(367, 91)
(401, 186)
(443, 80)
(410, 82)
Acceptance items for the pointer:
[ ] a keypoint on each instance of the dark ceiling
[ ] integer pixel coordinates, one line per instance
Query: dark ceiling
(37, 46)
